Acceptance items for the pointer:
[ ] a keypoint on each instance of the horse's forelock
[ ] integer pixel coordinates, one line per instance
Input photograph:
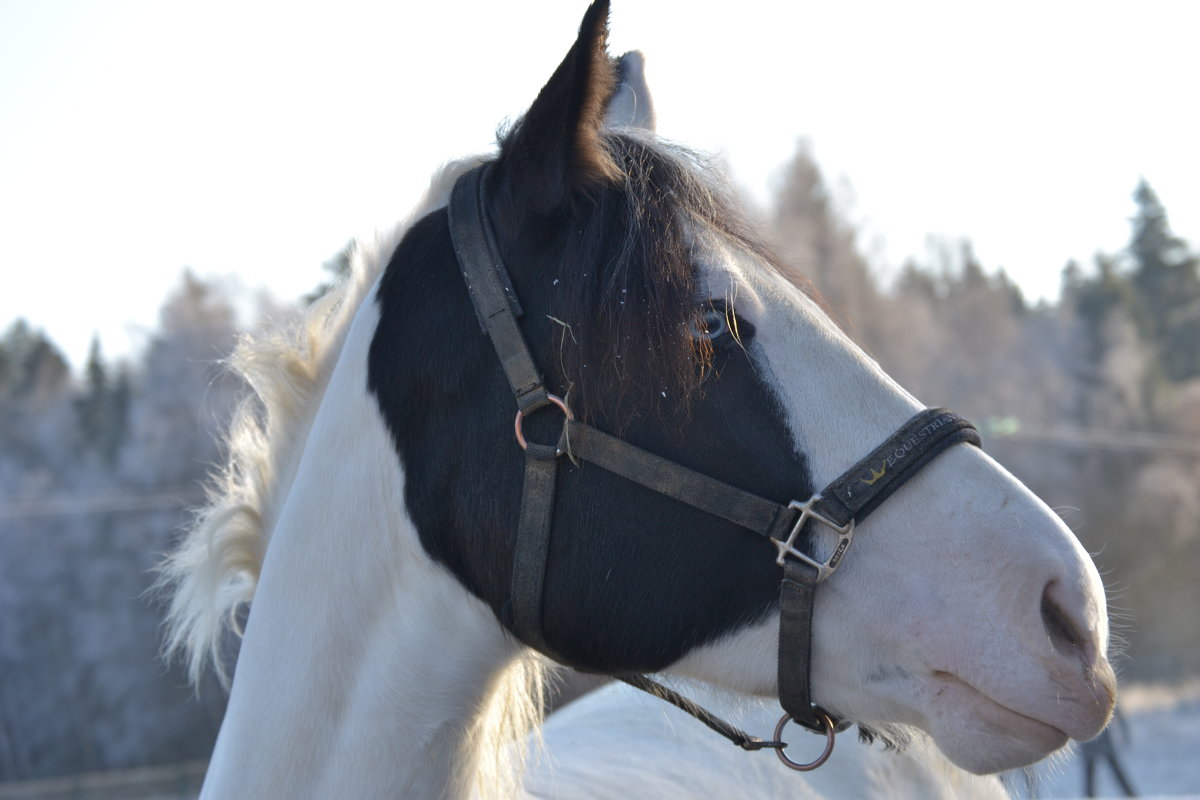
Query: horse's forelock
(626, 274)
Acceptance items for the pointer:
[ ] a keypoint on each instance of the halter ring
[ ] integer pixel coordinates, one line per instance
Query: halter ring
(830, 734)
(551, 399)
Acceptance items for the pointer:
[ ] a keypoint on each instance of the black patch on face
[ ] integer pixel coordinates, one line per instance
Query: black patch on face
(594, 229)
(635, 580)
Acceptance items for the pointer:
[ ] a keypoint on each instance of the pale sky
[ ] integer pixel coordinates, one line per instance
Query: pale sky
(250, 141)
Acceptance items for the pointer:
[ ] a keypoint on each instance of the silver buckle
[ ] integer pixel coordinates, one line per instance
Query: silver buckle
(787, 548)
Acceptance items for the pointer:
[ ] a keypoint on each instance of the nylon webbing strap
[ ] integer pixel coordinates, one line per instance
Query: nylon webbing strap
(754, 513)
(490, 289)
(861, 489)
(796, 603)
(531, 550)
(497, 308)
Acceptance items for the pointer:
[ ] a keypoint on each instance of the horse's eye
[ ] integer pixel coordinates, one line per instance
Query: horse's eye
(717, 324)
(711, 325)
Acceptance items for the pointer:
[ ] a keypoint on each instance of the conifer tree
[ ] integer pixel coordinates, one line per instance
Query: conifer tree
(820, 245)
(33, 368)
(1164, 273)
(102, 406)
(90, 406)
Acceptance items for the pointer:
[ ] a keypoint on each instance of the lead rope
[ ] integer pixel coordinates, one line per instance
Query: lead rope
(730, 732)
(845, 502)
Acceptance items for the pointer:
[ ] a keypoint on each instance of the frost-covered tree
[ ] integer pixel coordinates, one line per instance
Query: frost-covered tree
(1164, 273)
(90, 487)
(817, 241)
(102, 406)
(181, 395)
(35, 406)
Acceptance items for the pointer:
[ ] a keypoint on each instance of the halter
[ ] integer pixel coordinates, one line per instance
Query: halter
(838, 507)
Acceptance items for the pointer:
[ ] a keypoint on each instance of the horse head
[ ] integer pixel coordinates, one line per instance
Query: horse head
(965, 607)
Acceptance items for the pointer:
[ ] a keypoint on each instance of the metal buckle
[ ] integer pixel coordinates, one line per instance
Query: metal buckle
(551, 400)
(787, 548)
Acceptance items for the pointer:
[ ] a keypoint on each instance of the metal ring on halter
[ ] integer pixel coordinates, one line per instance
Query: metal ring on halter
(553, 399)
(830, 733)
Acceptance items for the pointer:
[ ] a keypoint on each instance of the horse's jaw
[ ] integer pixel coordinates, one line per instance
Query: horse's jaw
(366, 670)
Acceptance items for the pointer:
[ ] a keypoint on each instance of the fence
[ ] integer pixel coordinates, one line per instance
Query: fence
(166, 782)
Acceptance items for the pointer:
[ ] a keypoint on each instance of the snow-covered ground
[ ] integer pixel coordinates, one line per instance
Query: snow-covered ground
(1161, 756)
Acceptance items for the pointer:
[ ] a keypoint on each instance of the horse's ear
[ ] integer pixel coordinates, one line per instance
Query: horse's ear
(557, 145)
(631, 106)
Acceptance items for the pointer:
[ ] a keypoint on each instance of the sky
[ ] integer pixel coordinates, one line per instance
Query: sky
(249, 141)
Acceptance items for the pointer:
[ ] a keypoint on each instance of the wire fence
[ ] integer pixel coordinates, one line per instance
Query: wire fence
(165, 782)
(162, 500)
(1101, 439)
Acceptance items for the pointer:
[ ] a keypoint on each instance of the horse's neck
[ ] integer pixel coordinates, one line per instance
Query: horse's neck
(366, 670)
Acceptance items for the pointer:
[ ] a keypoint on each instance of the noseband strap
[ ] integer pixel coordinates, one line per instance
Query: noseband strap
(839, 507)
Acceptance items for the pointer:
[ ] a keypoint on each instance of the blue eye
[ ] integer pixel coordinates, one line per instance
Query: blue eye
(715, 325)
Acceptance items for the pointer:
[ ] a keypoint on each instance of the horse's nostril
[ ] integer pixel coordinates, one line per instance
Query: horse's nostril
(1063, 632)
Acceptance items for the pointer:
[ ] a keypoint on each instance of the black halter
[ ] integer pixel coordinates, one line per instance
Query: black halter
(838, 507)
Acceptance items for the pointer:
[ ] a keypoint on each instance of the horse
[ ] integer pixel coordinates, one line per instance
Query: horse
(416, 576)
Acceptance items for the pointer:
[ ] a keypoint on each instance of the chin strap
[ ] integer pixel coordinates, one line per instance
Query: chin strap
(839, 507)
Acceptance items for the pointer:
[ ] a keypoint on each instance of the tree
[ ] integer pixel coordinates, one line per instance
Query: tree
(1164, 275)
(819, 244)
(182, 394)
(78, 641)
(91, 406)
(338, 268)
(32, 368)
(102, 406)
(35, 395)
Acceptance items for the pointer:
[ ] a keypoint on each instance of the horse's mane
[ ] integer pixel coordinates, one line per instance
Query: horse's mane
(212, 573)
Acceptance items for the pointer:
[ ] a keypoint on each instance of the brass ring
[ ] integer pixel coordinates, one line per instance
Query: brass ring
(830, 733)
(553, 399)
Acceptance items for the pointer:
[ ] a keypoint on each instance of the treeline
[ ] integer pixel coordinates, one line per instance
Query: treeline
(95, 473)
(1093, 400)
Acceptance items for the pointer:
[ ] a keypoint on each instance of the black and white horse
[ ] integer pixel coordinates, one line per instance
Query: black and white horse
(371, 502)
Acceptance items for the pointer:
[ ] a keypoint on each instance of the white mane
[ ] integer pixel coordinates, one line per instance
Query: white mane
(286, 366)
